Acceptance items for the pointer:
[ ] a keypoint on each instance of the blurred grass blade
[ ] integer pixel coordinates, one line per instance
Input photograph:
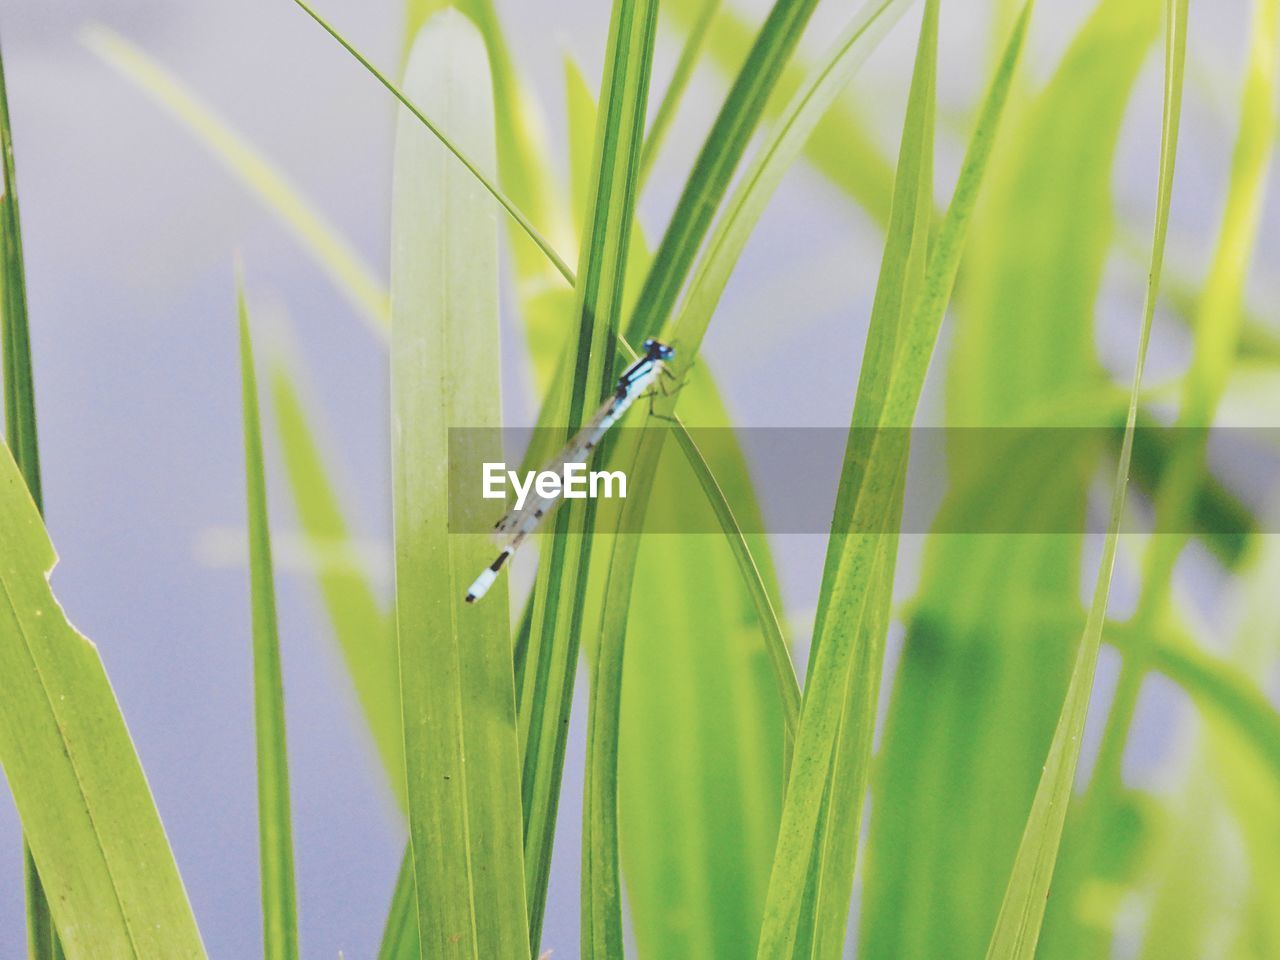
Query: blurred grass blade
(353, 277)
(559, 598)
(365, 631)
(21, 435)
(973, 704)
(902, 276)
(275, 824)
(1219, 689)
(842, 148)
(80, 792)
(1217, 340)
(1017, 930)
(785, 142)
(457, 689)
(879, 498)
(1218, 325)
(716, 162)
(462, 156)
(676, 87)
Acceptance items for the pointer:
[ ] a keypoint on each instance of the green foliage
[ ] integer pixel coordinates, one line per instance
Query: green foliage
(723, 806)
(275, 824)
(457, 689)
(1017, 931)
(974, 701)
(90, 822)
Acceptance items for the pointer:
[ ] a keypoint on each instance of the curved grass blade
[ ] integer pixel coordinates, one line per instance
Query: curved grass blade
(457, 689)
(462, 156)
(714, 736)
(601, 827)
(88, 815)
(1017, 930)
(339, 259)
(742, 212)
(275, 825)
(1217, 687)
(879, 497)
(775, 641)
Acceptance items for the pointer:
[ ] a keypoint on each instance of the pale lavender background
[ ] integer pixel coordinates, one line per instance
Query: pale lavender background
(130, 228)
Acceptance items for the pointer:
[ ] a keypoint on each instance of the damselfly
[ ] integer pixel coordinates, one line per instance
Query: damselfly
(513, 528)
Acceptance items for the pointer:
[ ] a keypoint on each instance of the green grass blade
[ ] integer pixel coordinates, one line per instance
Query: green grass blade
(79, 789)
(679, 83)
(560, 590)
(601, 873)
(335, 255)
(21, 435)
(842, 147)
(786, 140)
(775, 642)
(19, 381)
(400, 935)
(1217, 340)
(364, 630)
(878, 499)
(716, 162)
(1017, 930)
(275, 823)
(973, 705)
(601, 858)
(523, 162)
(902, 275)
(457, 689)
(467, 161)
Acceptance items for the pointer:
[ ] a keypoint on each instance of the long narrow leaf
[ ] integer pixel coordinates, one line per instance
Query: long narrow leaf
(20, 432)
(365, 631)
(1017, 930)
(79, 789)
(275, 823)
(713, 170)
(973, 703)
(457, 689)
(902, 276)
(560, 592)
(837, 654)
